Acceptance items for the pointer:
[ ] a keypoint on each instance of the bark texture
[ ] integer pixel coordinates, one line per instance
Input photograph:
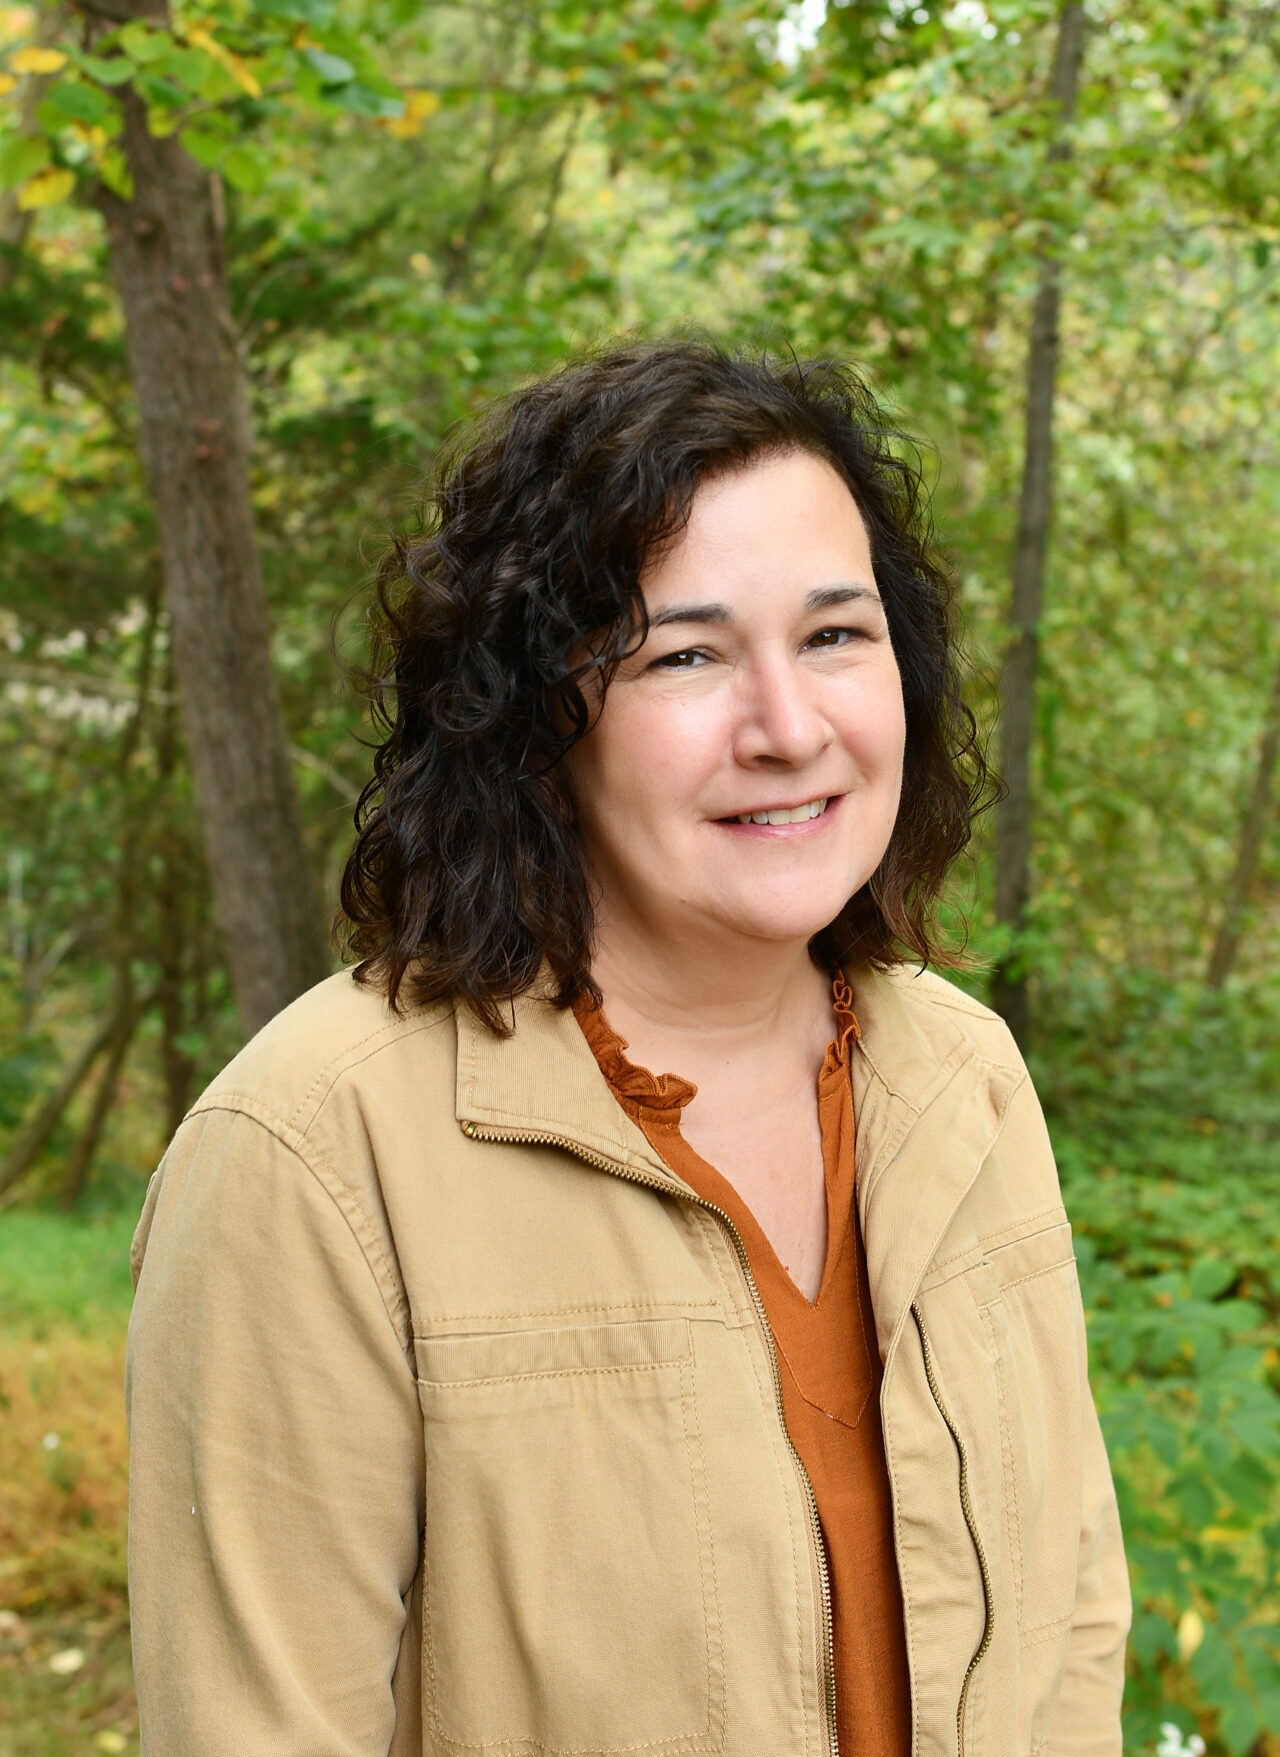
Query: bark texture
(166, 261)
(1253, 832)
(1031, 548)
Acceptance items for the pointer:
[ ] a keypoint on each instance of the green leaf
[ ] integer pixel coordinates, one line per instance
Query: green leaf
(1196, 1501)
(112, 70)
(245, 168)
(363, 101)
(1151, 1636)
(206, 146)
(142, 43)
(332, 69)
(21, 156)
(1239, 1719)
(1210, 1277)
(194, 69)
(71, 101)
(1213, 1666)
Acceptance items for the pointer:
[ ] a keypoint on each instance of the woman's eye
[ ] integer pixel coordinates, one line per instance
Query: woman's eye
(684, 660)
(835, 637)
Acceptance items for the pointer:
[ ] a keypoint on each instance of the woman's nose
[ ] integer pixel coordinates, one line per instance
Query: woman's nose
(780, 718)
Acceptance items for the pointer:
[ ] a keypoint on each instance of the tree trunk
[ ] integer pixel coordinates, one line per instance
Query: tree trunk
(78, 1165)
(165, 253)
(1252, 835)
(1031, 547)
(34, 1136)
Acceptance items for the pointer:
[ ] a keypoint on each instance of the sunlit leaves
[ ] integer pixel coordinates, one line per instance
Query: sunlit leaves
(46, 189)
(37, 60)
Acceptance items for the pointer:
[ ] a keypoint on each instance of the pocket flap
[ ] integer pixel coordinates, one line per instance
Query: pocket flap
(589, 1348)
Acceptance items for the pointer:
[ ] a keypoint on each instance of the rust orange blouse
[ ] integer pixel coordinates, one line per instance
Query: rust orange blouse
(831, 1372)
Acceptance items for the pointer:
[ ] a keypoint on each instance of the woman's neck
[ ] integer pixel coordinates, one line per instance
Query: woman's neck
(688, 1008)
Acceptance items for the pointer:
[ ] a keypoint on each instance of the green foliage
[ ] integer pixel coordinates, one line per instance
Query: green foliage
(1165, 1136)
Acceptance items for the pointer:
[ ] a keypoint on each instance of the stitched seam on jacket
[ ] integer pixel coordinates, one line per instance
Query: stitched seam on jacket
(692, 1428)
(1014, 1523)
(1031, 1275)
(640, 1366)
(963, 1055)
(1012, 1233)
(350, 1057)
(1043, 1633)
(633, 1305)
(341, 1195)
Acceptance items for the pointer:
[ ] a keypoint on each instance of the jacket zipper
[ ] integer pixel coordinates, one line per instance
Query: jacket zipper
(596, 1160)
(966, 1505)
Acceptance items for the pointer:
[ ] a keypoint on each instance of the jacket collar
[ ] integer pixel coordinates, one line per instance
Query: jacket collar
(544, 1082)
(927, 1108)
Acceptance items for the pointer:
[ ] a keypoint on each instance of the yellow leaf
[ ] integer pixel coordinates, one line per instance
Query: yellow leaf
(7, 83)
(46, 188)
(35, 60)
(417, 107)
(204, 39)
(1190, 1634)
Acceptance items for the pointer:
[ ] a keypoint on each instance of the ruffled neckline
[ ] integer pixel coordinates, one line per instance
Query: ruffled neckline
(663, 1096)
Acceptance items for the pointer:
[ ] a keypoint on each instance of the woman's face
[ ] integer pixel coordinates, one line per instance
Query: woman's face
(767, 685)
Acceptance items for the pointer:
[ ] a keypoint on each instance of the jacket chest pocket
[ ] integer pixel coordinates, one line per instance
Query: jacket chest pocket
(568, 1589)
(1035, 1329)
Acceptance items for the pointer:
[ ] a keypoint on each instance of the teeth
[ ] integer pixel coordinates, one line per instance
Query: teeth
(799, 814)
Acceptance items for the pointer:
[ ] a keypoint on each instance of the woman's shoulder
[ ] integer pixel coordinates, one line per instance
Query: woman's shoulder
(905, 1001)
(339, 1039)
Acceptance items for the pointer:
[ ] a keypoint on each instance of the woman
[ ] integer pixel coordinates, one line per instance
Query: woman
(491, 1393)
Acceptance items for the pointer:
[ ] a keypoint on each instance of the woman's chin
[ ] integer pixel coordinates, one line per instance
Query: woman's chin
(780, 923)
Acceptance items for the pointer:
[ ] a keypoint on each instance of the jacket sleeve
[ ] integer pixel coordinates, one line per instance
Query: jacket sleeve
(1086, 1722)
(277, 1472)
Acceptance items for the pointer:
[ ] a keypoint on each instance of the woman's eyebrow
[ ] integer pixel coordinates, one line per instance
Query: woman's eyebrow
(826, 596)
(690, 613)
(821, 598)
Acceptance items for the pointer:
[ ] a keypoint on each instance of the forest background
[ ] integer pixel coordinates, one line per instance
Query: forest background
(258, 260)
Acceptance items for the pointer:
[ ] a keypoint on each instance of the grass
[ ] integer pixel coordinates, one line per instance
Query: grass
(65, 1680)
(58, 1272)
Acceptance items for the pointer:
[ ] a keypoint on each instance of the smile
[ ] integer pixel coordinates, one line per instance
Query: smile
(795, 814)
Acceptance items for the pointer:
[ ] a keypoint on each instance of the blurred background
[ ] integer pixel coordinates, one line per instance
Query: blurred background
(277, 249)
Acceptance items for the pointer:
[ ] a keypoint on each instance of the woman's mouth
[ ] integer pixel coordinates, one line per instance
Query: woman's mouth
(786, 814)
(789, 814)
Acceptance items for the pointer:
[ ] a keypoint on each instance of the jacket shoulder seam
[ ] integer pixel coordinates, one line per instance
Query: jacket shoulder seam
(976, 1011)
(351, 1055)
(339, 1193)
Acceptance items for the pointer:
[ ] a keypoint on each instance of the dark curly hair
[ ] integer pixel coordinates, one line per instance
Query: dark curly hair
(521, 586)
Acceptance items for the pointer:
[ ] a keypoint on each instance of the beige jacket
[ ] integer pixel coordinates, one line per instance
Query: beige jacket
(456, 1424)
